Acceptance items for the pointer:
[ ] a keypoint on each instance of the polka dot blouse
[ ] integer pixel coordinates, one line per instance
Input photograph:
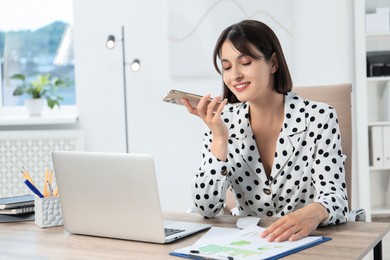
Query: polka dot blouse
(308, 165)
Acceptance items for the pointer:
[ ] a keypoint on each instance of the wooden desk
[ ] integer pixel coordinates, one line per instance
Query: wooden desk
(24, 240)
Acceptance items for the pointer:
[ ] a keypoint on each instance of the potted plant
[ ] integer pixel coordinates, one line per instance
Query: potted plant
(44, 87)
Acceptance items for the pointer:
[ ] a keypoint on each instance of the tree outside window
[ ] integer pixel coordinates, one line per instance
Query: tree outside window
(32, 47)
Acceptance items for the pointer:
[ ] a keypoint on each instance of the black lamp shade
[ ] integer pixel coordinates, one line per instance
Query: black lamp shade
(110, 42)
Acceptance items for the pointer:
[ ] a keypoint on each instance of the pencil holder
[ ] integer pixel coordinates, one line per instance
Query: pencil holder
(48, 212)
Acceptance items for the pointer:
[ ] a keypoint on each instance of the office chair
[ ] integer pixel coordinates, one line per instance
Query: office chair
(338, 97)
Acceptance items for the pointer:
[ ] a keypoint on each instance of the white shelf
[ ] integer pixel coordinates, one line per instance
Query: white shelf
(378, 123)
(378, 79)
(17, 116)
(371, 94)
(53, 120)
(379, 168)
(380, 211)
(377, 34)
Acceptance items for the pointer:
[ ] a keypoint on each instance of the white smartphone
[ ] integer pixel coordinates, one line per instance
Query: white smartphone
(175, 96)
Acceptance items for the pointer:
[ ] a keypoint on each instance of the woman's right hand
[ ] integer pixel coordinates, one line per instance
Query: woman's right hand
(210, 112)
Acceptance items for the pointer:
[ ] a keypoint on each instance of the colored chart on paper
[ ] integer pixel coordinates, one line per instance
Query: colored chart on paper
(248, 244)
(243, 247)
(231, 251)
(244, 244)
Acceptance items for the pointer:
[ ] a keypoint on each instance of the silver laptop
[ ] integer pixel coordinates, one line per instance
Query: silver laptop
(114, 195)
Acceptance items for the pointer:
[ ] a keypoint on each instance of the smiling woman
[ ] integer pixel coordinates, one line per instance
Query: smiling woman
(35, 40)
(280, 154)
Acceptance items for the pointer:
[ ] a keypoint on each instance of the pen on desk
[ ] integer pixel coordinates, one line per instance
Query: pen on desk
(195, 254)
(33, 188)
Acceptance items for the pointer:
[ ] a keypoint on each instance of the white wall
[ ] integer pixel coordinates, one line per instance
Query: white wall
(322, 54)
(323, 42)
(164, 130)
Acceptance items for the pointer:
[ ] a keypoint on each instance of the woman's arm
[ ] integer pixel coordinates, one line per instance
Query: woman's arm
(331, 204)
(329, 172)
(211, 180)
(210, 113)
(297, 224)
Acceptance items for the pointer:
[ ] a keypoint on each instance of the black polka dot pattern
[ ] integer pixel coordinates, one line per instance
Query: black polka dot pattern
(308, 165)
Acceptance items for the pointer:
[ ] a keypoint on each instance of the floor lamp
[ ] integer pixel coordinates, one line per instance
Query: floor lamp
(135, 66)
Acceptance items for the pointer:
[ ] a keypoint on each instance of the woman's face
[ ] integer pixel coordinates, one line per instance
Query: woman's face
(246, 77)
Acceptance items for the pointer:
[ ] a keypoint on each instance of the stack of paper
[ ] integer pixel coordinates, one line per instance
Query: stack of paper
(17, 205)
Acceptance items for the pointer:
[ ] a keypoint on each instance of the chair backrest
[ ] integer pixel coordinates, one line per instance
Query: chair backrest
(338, 97)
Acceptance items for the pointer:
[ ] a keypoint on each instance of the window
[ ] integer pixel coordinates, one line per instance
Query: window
(35, 38)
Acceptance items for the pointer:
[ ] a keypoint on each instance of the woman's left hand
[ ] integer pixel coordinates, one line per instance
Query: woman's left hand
(297, 224)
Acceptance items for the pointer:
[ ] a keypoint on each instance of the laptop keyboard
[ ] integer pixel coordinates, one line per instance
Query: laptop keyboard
(172, 231)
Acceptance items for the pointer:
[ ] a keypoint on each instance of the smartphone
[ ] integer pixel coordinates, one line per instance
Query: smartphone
(175, 96)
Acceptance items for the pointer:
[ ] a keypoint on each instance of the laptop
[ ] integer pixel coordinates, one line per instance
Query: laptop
(114, 195)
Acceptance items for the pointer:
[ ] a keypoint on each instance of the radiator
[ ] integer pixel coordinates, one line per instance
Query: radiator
(31, 150)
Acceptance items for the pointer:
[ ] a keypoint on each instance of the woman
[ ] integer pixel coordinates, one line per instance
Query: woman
(280, 154)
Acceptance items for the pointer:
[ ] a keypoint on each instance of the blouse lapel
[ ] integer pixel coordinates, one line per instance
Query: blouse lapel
(294, 124)
(247, 148)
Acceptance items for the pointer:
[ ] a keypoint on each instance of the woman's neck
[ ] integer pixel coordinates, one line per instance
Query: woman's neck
(268, 109)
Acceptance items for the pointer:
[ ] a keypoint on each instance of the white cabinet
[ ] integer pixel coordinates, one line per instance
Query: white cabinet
(372, 99)
(378, 102)
(378, 97)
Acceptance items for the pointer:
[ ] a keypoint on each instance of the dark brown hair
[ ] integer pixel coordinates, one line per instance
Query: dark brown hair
(247, 32)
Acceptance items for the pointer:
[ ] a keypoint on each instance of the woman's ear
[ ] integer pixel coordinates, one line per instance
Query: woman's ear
(274, 62)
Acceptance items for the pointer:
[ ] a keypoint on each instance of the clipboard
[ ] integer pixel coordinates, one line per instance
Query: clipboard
(231, 245)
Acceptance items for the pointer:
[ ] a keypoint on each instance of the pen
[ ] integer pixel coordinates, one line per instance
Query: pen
(27, 176)
(195, 254)
(33, 188)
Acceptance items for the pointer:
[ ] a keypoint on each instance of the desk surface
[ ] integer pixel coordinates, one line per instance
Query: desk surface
(25, 240)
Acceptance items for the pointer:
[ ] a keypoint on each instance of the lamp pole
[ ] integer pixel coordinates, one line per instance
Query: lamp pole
(135, 66)
(124, 87)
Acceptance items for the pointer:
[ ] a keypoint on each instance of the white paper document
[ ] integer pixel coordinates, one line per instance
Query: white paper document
(221, 243)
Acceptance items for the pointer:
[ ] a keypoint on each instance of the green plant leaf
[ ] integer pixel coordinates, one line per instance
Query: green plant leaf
(19, 91)
(35, 92)
(52, 103)
(59, 83)
(43, 86)
(18, 76)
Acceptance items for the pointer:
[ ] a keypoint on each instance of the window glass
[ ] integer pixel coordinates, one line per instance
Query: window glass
(36, 38)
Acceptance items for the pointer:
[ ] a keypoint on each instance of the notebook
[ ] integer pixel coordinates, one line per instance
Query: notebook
(16, 201)
(17, 217)
(18, 210)
(114, 195)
